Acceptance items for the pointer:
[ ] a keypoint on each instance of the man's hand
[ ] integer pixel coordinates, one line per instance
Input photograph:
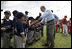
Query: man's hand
(37, 21)
(3, 29)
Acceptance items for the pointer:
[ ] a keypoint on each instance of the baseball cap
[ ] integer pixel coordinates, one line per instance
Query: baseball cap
(7, 12)
(20, 14)
(15, 11)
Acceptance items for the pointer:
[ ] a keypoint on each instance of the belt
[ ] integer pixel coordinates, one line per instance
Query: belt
(50, 20)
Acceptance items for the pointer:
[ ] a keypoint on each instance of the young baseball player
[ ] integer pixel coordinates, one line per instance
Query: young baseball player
(25, 27)
(65, 25)
(6, 28)
(41, 26)
(30, 33)
(15, 13)
(37, 31)
(19, 35)
(69, 26)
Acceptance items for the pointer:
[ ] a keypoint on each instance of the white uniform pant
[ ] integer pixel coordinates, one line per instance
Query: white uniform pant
(65, 29)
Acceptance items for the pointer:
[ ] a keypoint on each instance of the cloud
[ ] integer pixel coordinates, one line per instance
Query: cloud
(60, 8)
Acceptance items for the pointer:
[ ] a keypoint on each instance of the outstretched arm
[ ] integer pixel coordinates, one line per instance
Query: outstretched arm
(37, 21)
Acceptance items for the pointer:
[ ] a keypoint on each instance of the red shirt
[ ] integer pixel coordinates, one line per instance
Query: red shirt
(69, 23)
(64, 21)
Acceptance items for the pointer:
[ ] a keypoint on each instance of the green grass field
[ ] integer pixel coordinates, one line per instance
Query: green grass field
(60, 41)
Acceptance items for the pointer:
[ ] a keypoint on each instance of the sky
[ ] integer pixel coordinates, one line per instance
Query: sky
(60, 8)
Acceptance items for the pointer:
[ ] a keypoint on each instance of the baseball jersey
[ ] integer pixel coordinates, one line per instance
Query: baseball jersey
(14, 24)
(69, 23)
(64, 21)
(7, 24)
(19, 28)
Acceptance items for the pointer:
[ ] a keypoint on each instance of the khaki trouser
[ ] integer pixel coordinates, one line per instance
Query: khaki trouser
(50, 32)
(6, 40)
(30, 35)
(37, 34)
(18, 42)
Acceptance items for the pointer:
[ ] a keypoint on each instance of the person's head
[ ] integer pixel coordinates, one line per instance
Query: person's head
(7, 14)
(52, 11)
(26, 12)
(21, 16)
(42, 8)
(15, 12)
(65, 16)
(31, 18)
(39, 14)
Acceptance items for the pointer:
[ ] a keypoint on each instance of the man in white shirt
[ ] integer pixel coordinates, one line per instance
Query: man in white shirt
(49, 21)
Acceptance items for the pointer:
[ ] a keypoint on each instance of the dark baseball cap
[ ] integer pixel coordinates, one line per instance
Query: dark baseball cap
(7, 12)
(31, 18)
(15, 11)
(20, 14)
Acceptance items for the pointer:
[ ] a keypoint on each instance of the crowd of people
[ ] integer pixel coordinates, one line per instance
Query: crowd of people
(26, 30)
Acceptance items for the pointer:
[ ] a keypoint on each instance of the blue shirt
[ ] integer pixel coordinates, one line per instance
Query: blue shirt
(14, 24)
(47, 16)
(14, 19)
(7, 24)
(19, 28)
